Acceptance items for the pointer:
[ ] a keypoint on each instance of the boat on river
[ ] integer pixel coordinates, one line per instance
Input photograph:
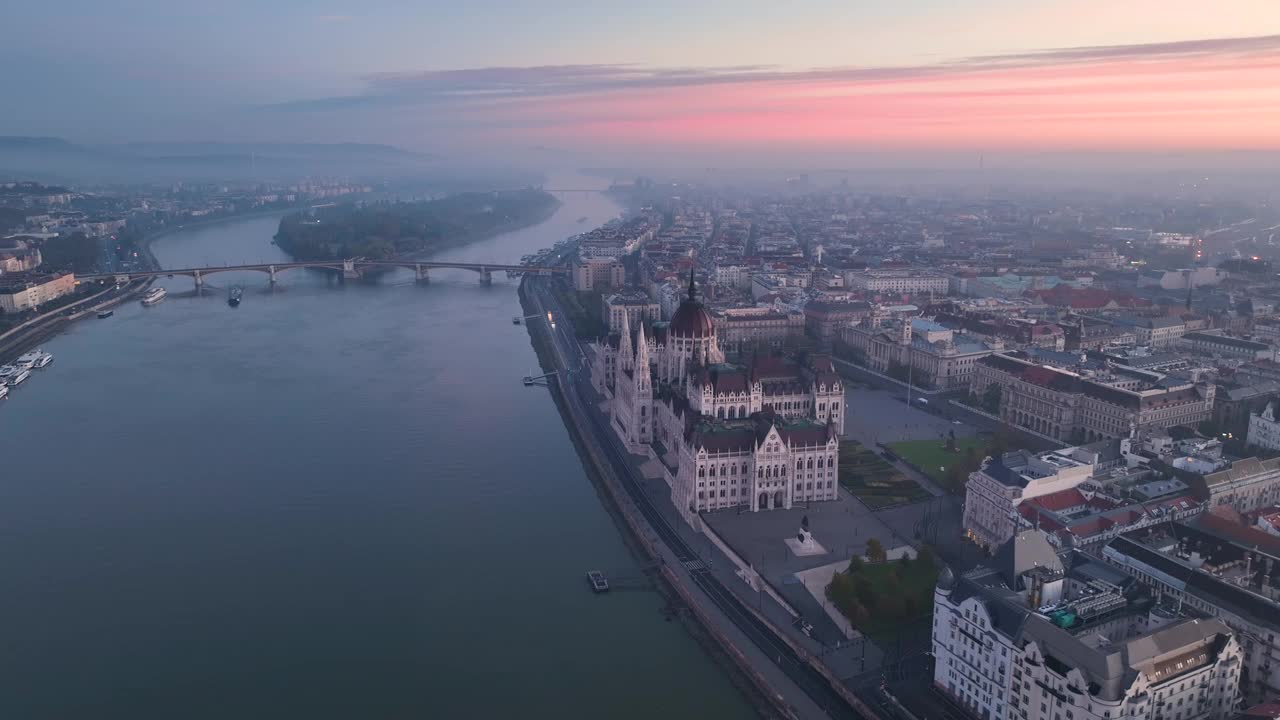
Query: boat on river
(153, 296)
(104, 314)
(35, 359)
(233, 297)
(13, 376)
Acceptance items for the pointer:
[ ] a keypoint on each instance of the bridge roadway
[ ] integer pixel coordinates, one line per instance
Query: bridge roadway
(350, 268)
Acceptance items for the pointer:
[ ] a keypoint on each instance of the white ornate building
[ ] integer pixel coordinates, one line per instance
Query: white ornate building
(1029, 637)
(763, 434)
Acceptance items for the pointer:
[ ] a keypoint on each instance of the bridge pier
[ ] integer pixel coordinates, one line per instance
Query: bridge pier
(486, 277)
(199, 279)
(271, 270)
(422, 274)
(349, 271)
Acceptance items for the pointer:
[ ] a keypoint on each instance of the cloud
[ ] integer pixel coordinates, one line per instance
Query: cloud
(1180, 94)
(399, 88)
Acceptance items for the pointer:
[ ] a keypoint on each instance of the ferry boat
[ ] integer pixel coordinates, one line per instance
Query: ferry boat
(153, 296)
(104, 314)
(13, 376)
(233, 297)
(34, 359)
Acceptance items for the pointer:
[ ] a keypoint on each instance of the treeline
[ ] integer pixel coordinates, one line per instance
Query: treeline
(75, 253)
(394, 229)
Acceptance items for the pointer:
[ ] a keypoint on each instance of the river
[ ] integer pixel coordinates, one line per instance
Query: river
(334, 501)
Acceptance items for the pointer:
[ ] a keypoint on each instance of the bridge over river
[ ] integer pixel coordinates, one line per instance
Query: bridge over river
(350, 269)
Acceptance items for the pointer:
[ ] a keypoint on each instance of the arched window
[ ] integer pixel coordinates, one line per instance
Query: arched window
(819, 463)
(712, 471)
(799, 464)
(810, 463)
(742, 411)
(760, 473)
(702, 472)
(724, 469)
(835, 407)
(744, 468)
(720, 413)
(831, 461)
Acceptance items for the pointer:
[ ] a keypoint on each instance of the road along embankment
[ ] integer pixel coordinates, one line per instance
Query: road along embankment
(640, 536)
(41, 327)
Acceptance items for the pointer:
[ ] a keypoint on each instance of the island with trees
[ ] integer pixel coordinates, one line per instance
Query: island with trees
(396, 229)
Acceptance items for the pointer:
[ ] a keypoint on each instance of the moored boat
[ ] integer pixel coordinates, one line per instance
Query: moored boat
(104, 314)
(153, 296)
(35, 359)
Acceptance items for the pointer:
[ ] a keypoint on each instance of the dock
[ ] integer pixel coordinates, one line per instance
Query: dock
(599, 583)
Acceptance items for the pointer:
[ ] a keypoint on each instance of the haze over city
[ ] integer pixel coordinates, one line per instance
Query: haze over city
(829, 360)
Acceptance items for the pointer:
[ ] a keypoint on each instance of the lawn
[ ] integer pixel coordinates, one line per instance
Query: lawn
(932, 457)
(875, 482)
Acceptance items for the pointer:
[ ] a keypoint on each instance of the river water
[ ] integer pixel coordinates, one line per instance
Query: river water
(334, 501)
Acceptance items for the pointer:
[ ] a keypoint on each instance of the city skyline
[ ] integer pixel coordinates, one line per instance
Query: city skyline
(721, 83)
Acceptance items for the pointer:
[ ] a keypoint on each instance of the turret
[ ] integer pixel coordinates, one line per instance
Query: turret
(626, 356)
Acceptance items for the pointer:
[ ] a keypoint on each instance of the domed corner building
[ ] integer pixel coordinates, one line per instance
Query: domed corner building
(691, 339)
(759, 435)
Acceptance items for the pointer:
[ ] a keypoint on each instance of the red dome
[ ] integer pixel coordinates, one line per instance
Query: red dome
(691, 320)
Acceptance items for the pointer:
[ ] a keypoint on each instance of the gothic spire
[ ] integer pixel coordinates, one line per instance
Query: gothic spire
(693, 290)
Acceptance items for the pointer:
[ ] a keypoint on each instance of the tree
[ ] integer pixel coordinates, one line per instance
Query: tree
(76, 253)
(865, 591)
(951, 441)
(1209, 429)
(875, 551)
(856, 565)
(925, 555)
(898, 371)
(991, 398)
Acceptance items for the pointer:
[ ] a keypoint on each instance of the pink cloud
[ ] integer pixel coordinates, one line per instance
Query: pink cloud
(1216, 93)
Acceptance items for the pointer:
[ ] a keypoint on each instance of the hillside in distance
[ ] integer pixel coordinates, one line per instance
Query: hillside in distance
(49, 158)
(386, 230)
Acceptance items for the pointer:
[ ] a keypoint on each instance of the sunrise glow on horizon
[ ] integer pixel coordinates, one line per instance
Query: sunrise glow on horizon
(492, 78)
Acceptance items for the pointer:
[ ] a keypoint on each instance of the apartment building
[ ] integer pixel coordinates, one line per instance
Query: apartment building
(994, 491)
(1032, 635)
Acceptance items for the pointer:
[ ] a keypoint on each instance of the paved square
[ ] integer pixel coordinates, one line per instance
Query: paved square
(842, 528)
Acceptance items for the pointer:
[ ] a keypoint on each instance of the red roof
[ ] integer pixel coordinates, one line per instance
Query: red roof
(1060, 500)
(1086, 298)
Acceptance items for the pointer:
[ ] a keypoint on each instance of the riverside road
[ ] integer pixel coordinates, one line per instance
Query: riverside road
(806, 690)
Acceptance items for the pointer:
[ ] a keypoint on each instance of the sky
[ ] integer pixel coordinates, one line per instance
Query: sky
(714, 78)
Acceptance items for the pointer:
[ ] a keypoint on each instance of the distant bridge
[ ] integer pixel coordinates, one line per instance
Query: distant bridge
(350, 269)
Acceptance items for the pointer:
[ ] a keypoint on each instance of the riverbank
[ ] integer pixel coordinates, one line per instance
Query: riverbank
(641, 540)
(145, 244)
(38, 329)
(409, 230)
